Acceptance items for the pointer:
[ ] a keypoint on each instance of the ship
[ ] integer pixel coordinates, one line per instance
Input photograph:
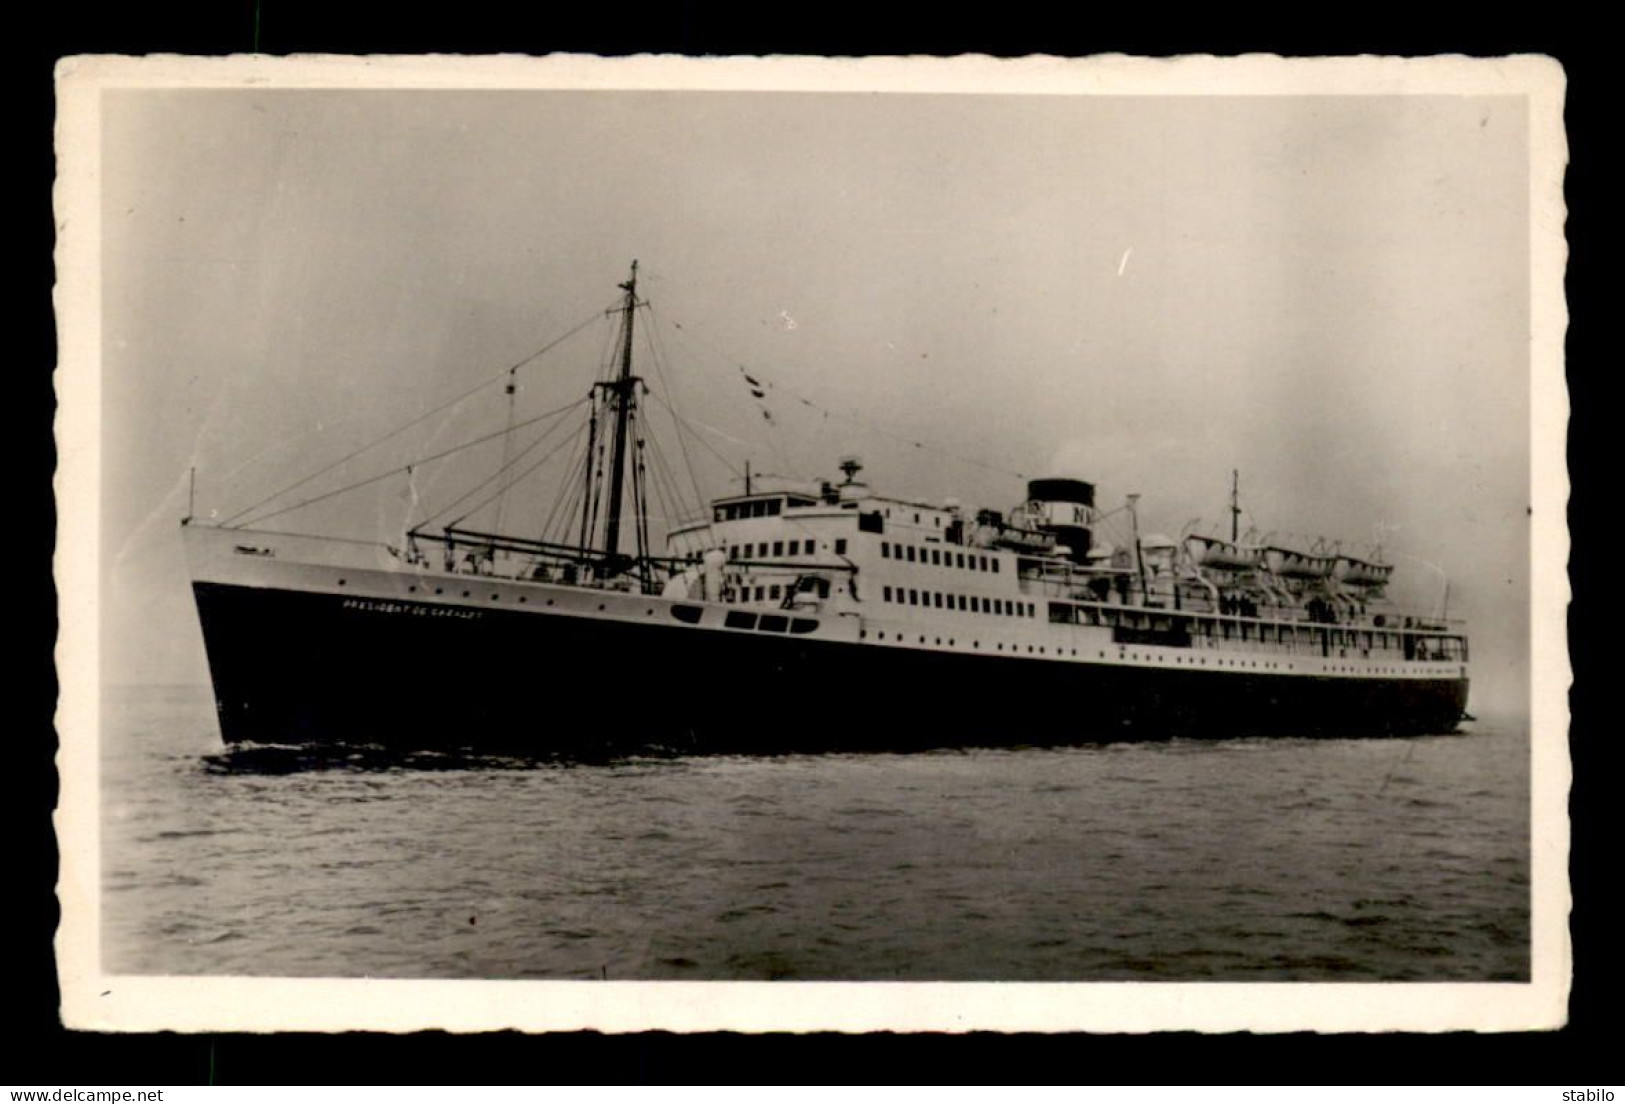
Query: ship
(804, 618)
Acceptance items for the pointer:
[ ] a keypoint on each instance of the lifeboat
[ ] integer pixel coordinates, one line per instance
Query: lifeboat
(1226, 555)
(1293, 564)
(1362, 573)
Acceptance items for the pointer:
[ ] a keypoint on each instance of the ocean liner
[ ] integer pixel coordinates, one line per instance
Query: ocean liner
(803, 617)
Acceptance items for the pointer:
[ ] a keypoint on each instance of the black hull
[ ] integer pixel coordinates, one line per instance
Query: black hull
(303, 668)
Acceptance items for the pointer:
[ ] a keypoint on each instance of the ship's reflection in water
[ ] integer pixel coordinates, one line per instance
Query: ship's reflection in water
(287, 759)
(1237, 860)
(276, 759)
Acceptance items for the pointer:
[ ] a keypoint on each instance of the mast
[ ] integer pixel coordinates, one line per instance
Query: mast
(623, 390)
(1139, 559)
(1235, 505)
(589, 511)
(507, 450)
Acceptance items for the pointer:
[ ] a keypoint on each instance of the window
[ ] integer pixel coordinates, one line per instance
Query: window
(774, 506)
(721, 514)
(761, 593)
(739, 619)
(936, 600)
(733, 551)
(913, 597)
(773, 622)
(998, 605)
(778, 548)
(916, 519)
(761, 550)
(975, 604)
(773, 592)
(910, 551)
(886, 593)
(995, 566)
(962, 602)
(959, 559)
(936, 558)
(840, 547)
(984, 563)
(885, 550)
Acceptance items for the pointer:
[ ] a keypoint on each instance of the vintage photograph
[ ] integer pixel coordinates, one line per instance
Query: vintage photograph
(1085, 534)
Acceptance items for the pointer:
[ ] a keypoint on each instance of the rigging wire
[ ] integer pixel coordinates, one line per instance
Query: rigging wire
(564, 504)
(420, 419)
(488, 480)
(685, 422)
(682, 508)
(407, 467)
(676, 511)
(651, 335)
(516, 480)
(765, 384)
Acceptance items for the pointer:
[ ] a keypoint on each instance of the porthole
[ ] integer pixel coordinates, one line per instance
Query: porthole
(521, 599)
(466, 594)
(550, 601)
(600, 605)
(341, 582)
(411, 590)
(496, 597)
(863, 634)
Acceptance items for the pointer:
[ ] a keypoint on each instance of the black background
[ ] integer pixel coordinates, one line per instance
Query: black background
(41, 1053)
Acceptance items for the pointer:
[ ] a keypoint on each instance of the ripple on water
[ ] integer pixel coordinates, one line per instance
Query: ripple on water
(1210, 860)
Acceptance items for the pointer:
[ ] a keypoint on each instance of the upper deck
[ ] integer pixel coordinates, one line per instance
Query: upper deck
(912, 570)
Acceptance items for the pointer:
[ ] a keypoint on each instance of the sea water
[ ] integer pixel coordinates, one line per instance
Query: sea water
(1183, 860)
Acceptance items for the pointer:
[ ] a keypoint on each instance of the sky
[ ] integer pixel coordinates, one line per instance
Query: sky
(1328, 294)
